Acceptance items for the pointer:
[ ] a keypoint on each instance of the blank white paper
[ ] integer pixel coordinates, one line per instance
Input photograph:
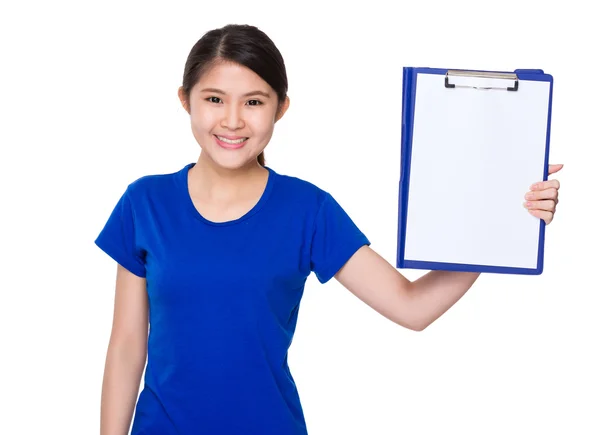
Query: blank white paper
(475, 153)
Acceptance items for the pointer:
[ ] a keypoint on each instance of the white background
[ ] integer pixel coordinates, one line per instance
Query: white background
(89, 103)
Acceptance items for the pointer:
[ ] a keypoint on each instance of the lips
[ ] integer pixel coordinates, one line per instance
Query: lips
(230, 142)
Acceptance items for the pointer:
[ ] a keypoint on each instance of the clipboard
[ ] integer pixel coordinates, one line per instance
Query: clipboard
(473, 142)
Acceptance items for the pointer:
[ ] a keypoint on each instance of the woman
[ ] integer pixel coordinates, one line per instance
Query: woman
(215, 257)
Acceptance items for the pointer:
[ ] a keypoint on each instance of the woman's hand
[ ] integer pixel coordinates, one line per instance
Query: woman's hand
(542, 199)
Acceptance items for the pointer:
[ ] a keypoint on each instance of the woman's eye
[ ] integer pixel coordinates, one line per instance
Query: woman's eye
(217, 100)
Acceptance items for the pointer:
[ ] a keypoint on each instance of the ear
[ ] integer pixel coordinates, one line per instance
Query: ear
(283, 108)
(183, 100)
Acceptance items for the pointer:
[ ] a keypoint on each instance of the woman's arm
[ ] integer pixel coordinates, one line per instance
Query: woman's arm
(126, 355)
(417, 304)
(414, 305)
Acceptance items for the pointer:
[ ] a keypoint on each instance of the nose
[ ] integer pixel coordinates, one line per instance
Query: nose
(232, 118)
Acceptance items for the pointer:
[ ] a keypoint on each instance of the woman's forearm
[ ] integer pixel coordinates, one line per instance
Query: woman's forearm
(435, 292)
(120, 387)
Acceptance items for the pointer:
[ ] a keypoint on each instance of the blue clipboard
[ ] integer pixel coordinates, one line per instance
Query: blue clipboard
(457, 102)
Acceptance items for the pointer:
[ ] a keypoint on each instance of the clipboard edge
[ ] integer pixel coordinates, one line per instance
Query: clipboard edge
(408, 108)
(476, 268)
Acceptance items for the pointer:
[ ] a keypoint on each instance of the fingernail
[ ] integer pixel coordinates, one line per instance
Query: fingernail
(534, 186)
(528, 204)
(529, 196)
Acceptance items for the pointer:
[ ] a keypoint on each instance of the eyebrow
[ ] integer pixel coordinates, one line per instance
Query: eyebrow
(248, 94)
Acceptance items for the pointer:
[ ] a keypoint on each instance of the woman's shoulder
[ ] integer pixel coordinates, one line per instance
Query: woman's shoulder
(293, 186)
(154, 184)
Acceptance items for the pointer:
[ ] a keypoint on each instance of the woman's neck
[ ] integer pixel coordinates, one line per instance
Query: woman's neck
(210, 181)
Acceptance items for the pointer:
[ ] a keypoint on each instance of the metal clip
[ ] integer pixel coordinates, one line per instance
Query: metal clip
(482, 74)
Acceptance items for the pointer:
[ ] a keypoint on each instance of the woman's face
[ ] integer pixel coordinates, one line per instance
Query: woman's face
(233, 113)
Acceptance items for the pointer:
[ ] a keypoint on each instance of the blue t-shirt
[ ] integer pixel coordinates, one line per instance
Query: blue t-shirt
(224, 300)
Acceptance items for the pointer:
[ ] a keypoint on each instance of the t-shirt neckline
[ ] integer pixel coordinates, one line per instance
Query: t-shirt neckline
(183, 182)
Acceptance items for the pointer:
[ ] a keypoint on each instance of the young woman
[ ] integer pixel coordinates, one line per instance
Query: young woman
(214, 258)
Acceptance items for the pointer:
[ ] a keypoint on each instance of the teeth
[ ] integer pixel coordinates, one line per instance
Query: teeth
(232, 142)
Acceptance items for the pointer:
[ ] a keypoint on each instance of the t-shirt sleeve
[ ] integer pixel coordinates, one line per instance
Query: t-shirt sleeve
(118, 240)
(335, 239)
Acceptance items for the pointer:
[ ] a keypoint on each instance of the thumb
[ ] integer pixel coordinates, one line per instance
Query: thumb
(552, 169)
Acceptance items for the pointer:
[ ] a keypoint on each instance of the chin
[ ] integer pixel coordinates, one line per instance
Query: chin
(233, 162)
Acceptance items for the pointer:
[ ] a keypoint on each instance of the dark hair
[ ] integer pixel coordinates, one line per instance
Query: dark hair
(242, 44)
